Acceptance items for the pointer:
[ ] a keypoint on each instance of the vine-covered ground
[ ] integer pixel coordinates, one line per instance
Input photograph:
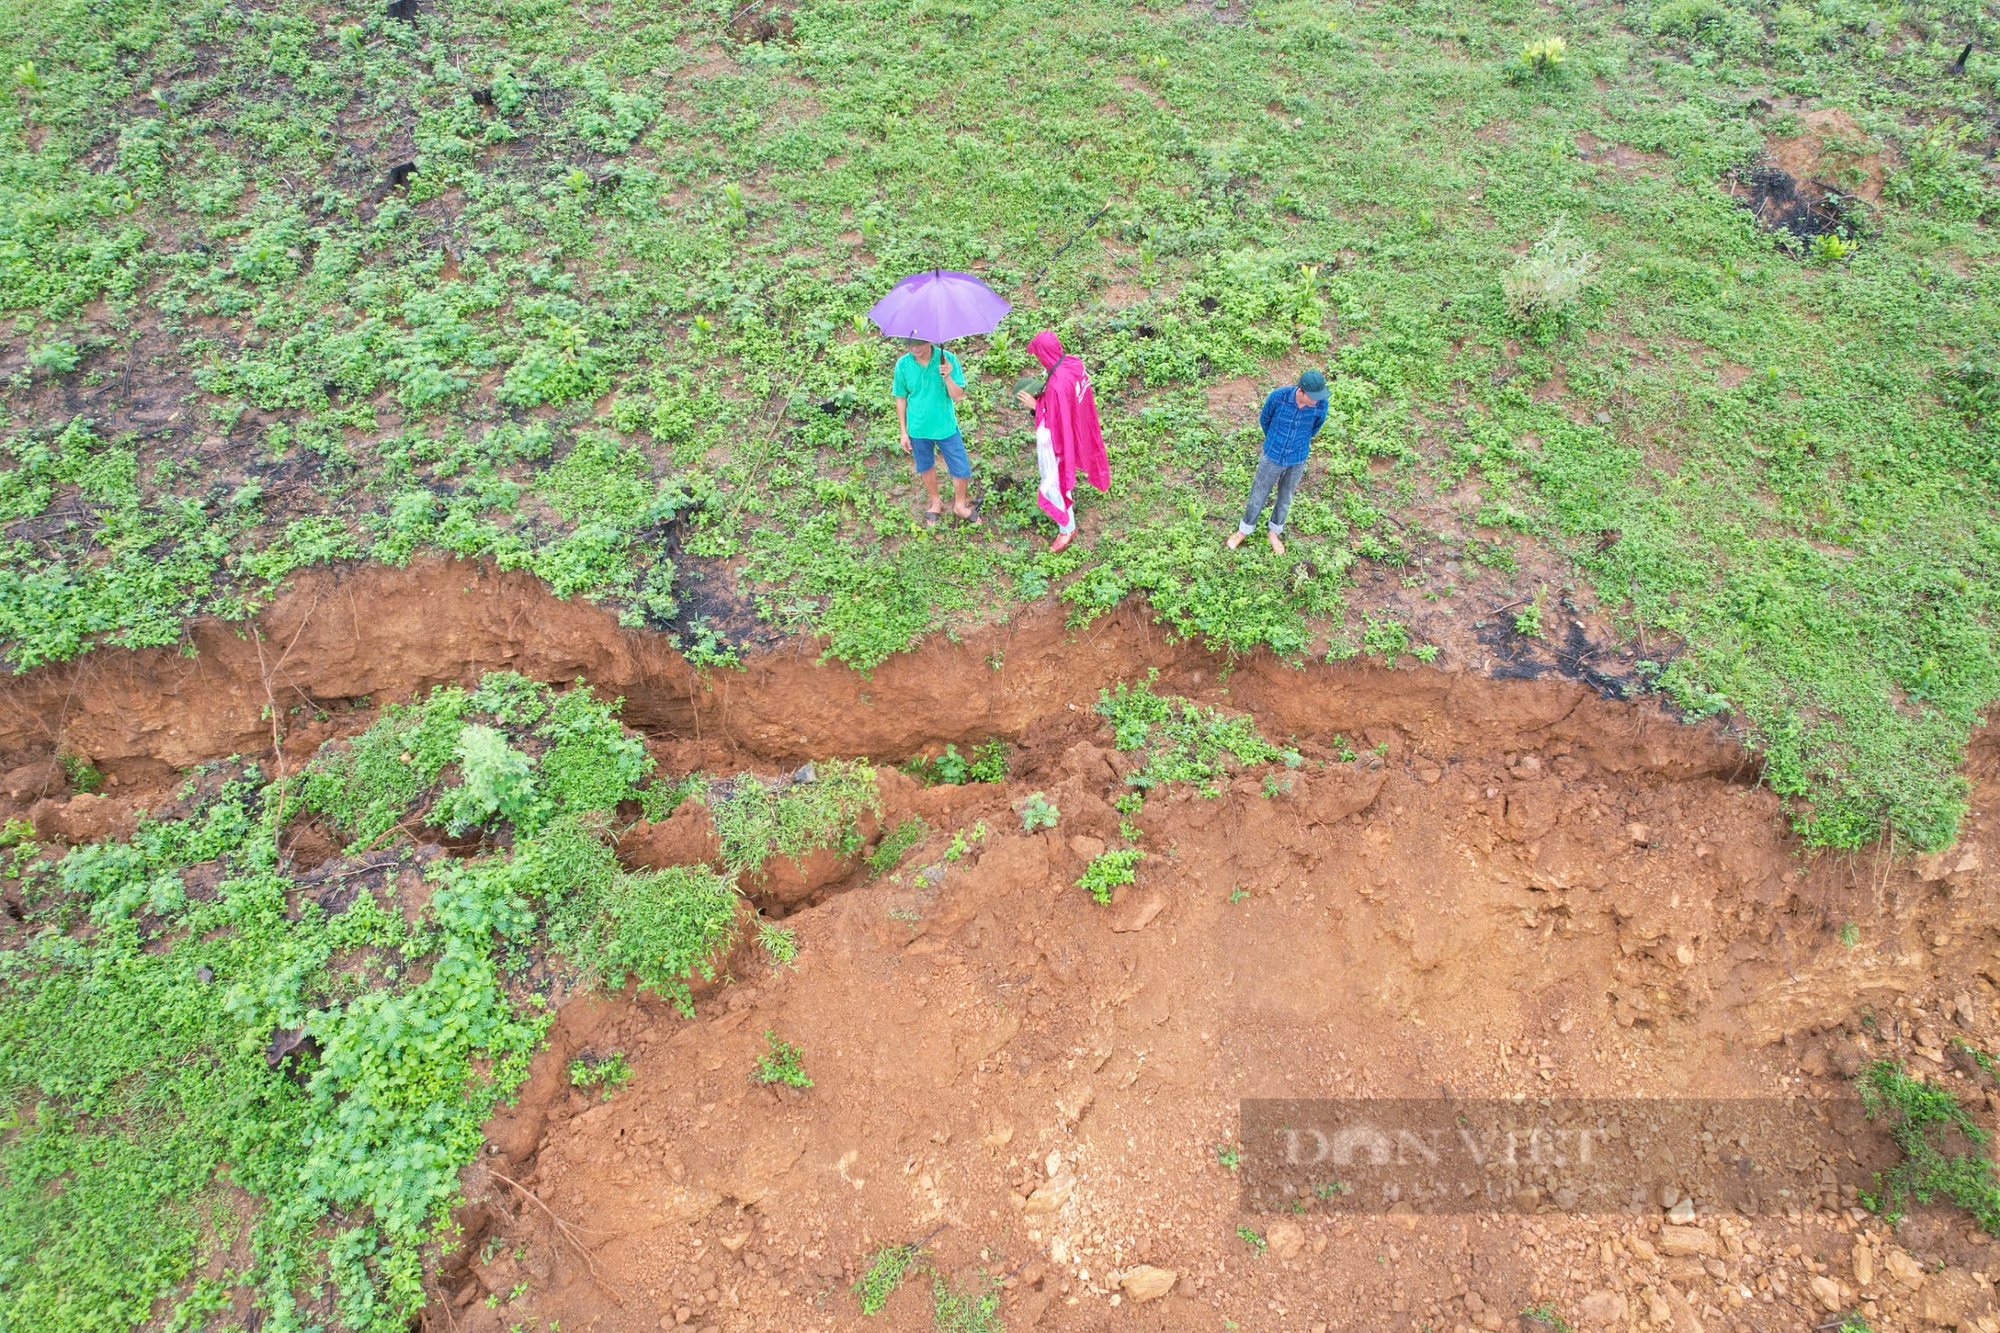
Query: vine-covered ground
(241, 1074)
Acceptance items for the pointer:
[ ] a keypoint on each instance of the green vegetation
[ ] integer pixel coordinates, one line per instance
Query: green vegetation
(963, 841)
(1230, 1155)
(1944, 1150)
(780, 944)
(1037, 812)
(1183, 741)
(620, 298)
(886, 1270)
(759, 818)
(607, 1072)
(890, 851)
(1107, 870)
(452, 761)
(1250, 1236)
(987, 764)
(182, 1020)
(81, 774)
(1546, 1314)
(784, 1063)
(973, 1309)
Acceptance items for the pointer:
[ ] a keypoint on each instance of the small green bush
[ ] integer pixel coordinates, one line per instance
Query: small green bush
(1546, 283)
(780, 945)
(1108, 870)
(974, 1309)
(1922, 1118)
(783, 1063)
(604, 1072)
(988, 763)
(1038, 812)
(758, 819)
(653, 927)
(1541, 59)
(1183, 741)
(895, 843)
(395, 771)
(885, 1273)
(499, 780)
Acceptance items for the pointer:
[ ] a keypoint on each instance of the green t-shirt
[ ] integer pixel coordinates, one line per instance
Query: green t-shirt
(930, 415)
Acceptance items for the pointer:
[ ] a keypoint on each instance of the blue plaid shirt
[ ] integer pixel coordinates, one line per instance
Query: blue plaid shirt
(1289, 428)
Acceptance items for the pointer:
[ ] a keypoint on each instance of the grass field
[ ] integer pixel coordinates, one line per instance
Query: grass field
(615, 317)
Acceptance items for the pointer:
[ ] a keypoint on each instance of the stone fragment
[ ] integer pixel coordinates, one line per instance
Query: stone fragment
(1285, 1239)
(1086, 847)
(1602, 1309)
(1053, 1193)
(1900, 1266)
(1146, 1283)
(1137, 913)
(1686, 1242)
(1075, 1102)
(1828, 1292)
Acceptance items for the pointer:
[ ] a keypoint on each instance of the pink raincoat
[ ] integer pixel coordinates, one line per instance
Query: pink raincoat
(1067, 438)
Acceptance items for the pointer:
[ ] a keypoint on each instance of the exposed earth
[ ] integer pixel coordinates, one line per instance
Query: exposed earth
(1471, 888)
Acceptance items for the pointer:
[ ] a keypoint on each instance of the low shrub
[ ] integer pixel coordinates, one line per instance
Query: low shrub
(1546, 283)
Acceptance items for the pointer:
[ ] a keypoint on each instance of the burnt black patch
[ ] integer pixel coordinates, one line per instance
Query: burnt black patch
(1518, 656)
(1806, 209)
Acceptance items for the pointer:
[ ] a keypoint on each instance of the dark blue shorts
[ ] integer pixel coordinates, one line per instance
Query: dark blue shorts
(956, 461)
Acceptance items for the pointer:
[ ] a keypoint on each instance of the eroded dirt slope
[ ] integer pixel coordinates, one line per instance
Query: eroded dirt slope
(1518, 887)
(1041, 1084)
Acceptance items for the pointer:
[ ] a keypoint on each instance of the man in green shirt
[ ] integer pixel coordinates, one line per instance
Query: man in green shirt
(928, 381)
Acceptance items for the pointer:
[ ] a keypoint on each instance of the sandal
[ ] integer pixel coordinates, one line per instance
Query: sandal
(1061, 543)
(972, 519)
(932, 517)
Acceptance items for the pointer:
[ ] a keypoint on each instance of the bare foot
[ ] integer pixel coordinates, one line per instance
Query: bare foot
(1062, 541)
(1235, 540)
(1276, 545)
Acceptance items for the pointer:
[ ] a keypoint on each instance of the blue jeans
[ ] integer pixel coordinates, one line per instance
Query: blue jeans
(956, 461)
(1269, 475)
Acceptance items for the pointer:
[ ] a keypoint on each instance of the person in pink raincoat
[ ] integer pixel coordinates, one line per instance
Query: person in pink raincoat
(1068, 440)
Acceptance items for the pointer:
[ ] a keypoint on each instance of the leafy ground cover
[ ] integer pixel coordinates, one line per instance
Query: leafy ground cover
(288, 285)
(225, 1081)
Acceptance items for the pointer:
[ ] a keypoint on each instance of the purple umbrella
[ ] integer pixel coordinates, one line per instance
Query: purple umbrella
(937, 304)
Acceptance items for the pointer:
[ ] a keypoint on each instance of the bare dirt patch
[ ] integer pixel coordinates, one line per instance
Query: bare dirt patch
(1237, 400)
(1833, 149)
(1043, 1087)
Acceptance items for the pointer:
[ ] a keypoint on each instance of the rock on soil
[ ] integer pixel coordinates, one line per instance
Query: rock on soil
(1146, 1283)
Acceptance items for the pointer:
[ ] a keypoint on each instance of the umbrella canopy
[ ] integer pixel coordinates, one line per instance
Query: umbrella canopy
(938, 304)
